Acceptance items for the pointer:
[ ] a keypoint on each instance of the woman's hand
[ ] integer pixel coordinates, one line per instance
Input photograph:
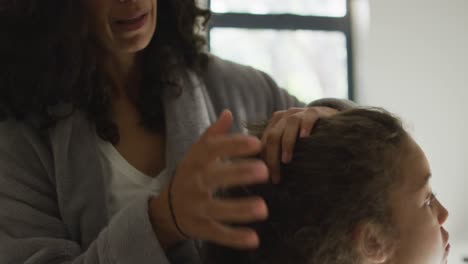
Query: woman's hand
(282, 131)
(201, 173)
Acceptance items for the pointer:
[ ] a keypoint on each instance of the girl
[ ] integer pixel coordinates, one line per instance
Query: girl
(356, 192)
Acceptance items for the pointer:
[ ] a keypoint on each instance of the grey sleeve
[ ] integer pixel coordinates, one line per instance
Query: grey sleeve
(338, 104)
(31, 229)
(282, 100)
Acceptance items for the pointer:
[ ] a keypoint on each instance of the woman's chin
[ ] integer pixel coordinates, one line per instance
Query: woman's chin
(134, 47)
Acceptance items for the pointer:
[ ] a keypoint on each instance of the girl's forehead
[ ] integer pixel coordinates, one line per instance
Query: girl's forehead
(415, 169)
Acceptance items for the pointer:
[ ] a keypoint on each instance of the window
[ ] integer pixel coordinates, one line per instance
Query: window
(305, 45)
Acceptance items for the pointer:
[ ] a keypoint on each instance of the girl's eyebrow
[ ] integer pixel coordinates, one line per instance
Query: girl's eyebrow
(426, 180)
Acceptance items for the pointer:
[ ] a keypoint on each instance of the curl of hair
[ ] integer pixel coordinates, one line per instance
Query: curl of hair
(340, 177)
(49, 58)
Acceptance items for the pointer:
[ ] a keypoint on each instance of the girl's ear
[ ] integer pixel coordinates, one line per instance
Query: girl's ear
(372, 244)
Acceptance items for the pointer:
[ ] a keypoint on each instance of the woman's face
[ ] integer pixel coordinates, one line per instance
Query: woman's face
(123, 25)
(418, 214)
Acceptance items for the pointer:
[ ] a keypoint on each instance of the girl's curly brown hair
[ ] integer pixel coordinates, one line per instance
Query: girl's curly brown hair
(48, 57)
(341, 176)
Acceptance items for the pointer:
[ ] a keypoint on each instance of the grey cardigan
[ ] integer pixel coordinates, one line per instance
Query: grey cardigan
(52, 192)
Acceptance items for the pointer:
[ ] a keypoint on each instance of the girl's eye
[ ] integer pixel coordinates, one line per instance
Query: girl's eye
(430, 200)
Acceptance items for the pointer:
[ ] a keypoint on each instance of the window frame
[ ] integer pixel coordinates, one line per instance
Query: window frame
(292, 22)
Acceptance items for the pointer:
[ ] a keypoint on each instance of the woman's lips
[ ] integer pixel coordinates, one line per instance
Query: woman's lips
(133, 23)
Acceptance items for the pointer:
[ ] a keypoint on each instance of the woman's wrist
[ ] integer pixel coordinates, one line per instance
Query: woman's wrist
(162, 222)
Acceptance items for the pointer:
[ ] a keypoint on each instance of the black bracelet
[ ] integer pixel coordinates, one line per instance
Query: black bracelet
(172, 210)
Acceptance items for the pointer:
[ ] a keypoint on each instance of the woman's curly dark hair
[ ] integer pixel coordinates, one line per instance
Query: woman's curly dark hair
(49, 58)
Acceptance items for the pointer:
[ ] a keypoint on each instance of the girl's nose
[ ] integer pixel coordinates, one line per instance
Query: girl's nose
(442, 213)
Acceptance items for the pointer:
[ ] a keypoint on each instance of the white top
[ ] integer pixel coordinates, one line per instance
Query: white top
(125, 182)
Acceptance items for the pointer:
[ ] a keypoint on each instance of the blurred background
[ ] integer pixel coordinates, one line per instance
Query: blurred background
(409, 56)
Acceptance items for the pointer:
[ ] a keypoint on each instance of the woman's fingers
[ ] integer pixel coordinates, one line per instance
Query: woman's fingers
(272, 148)
(311, 115)
(281, 134)
(272, 138)
(220, 127)
(215, 142)
(235, 237)
(231, 146)
(277, 116)
(290, 134)
(228, 174)
(242, 210)
(222, 146)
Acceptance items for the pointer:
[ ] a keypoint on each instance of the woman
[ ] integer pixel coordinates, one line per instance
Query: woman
(357, 191)
(102, 157)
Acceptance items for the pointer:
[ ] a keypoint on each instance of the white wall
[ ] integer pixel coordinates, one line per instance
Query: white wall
(416, 65)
